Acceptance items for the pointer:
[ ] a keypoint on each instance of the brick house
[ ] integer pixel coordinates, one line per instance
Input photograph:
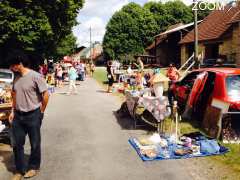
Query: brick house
(219, 36)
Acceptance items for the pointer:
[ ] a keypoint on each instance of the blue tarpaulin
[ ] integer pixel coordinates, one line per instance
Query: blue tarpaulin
(171, 152)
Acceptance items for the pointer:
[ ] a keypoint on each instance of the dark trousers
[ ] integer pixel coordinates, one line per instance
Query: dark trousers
(170, 94)
(27, 124)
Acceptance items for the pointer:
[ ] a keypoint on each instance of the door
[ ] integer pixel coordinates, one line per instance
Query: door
(183, 88)
(197, 89)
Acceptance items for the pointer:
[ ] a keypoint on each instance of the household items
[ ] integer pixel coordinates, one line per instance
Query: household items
(156, 147)
(2, 126)
(182, 152)
(5, 94)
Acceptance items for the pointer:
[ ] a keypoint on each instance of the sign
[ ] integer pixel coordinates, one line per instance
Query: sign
(224, 106)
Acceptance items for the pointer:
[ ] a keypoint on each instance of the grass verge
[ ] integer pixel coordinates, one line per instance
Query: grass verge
(231, 159)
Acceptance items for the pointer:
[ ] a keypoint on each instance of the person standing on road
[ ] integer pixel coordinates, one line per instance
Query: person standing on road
(92, 69)
(30, 99)
(72, 74)
(110, 76)
(59, 75)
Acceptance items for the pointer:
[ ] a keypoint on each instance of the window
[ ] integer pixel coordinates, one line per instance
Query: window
(189, 79)
(233, 86)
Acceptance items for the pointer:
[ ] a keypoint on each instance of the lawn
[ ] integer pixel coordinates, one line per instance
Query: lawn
(231, 159)
(100, 75)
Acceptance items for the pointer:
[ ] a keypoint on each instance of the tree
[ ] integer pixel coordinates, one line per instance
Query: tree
(133, 28)
(38, 26)
(129, 31)
(66, 46)
(170, 13)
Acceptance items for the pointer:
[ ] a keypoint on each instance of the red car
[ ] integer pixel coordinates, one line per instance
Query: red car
(199, 88)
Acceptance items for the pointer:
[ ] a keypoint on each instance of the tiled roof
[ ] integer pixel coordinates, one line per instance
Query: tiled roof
(236, 18)
(158, 41)
(171, 29)
(215, 24)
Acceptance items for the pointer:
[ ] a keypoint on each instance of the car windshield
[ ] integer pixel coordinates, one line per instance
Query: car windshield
(233, 86)
(5, 75)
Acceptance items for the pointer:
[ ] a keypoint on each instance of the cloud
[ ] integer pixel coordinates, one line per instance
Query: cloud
(95, 13)
(188, 2)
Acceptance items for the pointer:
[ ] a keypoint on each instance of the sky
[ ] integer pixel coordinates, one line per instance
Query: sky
(96, 14)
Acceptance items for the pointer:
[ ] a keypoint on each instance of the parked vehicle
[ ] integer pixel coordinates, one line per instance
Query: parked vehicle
(196, 92)
(6, 76)
(207, 63)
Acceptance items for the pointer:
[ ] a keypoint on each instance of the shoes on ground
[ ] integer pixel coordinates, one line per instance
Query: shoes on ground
(31, 173)
(17, 176)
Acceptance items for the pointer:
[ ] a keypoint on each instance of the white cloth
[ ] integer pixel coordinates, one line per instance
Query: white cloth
(72, 86)
(158, 89)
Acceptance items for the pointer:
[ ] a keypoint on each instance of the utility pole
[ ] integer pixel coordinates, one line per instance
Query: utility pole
(196, 37)
(91, 44)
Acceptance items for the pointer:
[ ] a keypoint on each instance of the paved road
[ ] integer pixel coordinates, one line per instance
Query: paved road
(83, 140)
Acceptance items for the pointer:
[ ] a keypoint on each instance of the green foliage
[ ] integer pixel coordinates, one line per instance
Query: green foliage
(129, 31)
(133, 28)
(39, 26)
(66, 45)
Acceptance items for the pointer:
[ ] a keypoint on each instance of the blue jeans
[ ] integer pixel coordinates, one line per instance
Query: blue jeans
(27, 124)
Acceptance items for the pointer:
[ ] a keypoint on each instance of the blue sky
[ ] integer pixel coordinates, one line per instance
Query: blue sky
(96, 13)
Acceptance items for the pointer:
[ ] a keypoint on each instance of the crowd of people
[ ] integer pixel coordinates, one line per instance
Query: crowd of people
(56, 73)
(140, 78)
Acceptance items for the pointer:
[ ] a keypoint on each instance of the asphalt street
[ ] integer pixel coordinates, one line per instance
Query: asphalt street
(82, 139)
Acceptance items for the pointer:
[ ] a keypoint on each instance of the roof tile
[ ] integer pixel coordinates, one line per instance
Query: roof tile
(215, 24)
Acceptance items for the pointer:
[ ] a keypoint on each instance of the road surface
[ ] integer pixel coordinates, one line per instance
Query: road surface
(82, 139)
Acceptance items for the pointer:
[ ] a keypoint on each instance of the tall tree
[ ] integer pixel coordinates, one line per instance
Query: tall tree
(132, 29)
(129, 31)
(37, 26)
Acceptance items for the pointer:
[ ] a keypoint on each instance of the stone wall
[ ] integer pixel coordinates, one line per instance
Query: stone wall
(231, 45)
(185, 54)
(229, 48)
(236, 40)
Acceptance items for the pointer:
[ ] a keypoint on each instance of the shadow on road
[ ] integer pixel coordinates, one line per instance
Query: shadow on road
(101, 91)
(124, 120)
(127, 122)
(62, 93)
(7, 158)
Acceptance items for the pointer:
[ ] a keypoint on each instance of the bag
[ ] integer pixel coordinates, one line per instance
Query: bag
(209, 146)
(109, 76)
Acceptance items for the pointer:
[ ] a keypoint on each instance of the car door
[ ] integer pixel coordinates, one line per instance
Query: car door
(197, 89)
(183, 87)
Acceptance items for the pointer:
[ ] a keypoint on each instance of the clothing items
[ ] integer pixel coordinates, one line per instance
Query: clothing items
(28, 89)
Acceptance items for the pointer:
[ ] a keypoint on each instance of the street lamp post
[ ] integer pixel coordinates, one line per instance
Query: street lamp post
(196, 37)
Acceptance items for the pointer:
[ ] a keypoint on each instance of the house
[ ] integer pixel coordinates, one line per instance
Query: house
(77, 55)
(85, 53)
(218, 36)
(166, 47)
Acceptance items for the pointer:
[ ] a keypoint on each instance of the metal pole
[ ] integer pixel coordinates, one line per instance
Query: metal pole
(91, 44)
(196, 38)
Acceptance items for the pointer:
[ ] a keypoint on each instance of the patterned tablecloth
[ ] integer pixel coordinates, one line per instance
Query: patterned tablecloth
(158, 106)
(131, 101)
